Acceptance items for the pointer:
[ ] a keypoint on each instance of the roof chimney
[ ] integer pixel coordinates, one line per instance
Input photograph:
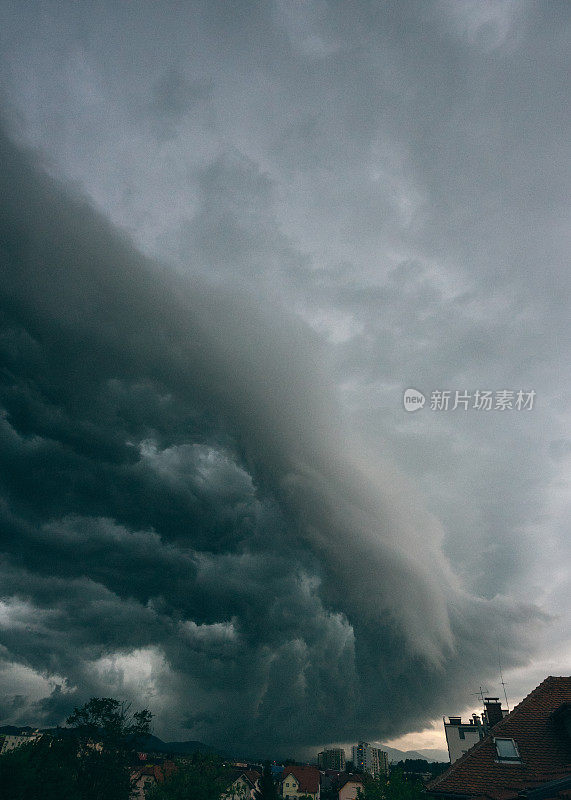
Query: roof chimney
(493, 710)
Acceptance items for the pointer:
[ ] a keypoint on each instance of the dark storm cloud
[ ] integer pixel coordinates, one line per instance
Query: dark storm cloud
(187, 519)
(181, 494)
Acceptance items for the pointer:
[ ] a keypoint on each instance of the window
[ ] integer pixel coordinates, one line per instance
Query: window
(507, 750)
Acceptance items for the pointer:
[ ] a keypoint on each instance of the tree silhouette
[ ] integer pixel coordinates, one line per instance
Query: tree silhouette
(266, 786)
(105, 733)
(202, 777)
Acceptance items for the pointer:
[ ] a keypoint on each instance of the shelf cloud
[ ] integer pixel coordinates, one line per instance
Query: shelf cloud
(232, 237)
(183, 492)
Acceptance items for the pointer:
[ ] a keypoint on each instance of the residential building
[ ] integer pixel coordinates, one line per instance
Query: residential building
(11, 742)
(370, 759)
(331, 779)
(460, 737)
(350, 788)
(243, 786)
(332, 759)
(142, 781)
(298, 781)
(526, 754)
(144, 778)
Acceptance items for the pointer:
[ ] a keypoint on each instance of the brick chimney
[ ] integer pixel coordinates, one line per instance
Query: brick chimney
(493, 711)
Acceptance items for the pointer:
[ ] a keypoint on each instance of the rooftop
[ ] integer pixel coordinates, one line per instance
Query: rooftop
(307, 777)
(542, 751)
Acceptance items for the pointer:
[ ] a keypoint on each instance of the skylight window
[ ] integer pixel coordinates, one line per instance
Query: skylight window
(507, 750)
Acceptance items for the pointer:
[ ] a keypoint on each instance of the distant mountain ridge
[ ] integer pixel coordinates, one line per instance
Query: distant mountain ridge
(153, 744)
(429, 754)
(156, 745)
(15, 730)
(147, 743)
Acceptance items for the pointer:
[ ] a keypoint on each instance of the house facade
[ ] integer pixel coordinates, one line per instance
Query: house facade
(350, 789)
(300, 782)
(460, 737)
(244, 786)
(144, 778)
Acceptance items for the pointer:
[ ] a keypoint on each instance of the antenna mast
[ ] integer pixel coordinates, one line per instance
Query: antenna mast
(502, 677)
(480, 694)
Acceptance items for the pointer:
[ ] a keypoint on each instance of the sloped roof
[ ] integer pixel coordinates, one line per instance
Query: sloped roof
(307, 778)
(158, 772)
(249, 775)
(543, 744)
(351, 779)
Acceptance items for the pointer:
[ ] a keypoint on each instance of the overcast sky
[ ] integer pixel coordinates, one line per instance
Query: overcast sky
(232, 235)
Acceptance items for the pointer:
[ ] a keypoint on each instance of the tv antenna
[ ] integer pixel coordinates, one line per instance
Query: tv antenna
(480, 694)
(502, 677)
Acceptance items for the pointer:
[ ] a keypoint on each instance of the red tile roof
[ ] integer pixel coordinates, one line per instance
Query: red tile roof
(543, 744)
(253, 775)
(159, 773)
(307, 777)
(165, 771)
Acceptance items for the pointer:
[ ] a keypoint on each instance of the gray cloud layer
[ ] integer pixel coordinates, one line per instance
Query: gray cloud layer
(176, 477)
(195, 507)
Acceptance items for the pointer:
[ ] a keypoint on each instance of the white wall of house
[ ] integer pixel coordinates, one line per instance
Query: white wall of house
(350, 790)
(460, 738)
(291, 790)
